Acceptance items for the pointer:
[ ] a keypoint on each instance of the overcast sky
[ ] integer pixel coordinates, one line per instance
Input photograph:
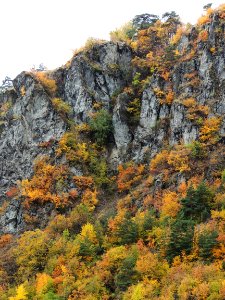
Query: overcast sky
(47, 31)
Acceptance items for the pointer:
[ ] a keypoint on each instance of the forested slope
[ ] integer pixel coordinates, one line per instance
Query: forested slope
(112, 170)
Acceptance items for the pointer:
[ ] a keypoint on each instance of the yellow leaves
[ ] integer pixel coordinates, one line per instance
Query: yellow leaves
(149, 265)
(120, 34)
(177, 36)
(82, 152)
(65, 144)
(145, 289)
(4, 107)
(114, 256)
(212, 50)
(179, 159)
(170, 204)
(74, 150)
(134, 109)
(88, 232)
(119, 218)
(159, 93)
(83, 127)
(61, 106)
(21, 293)
(185, 288)
(159, 161)
(146, 264)
(150, 55)
(219, 215)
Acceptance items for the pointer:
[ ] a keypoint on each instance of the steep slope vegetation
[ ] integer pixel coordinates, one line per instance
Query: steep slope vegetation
(112, 168)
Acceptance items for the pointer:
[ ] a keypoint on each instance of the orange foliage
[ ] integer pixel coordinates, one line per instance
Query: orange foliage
(119, 218)
(219, 250)
(128, 176)
(159, 162)
(169, 97)
(204, 20)
(12, 192)
(42, 281)
(48, 83)
(165, 75)
(177, 36)
(47, 184)
(195, 110)
(89, 198)
(195, 181)
(5, 239)
(189, 102)
(221, 10)
(182, 189)
(73, 193)
(188, 56)
(209, 130)
(83, 182)
(203, 35)
(190, 76)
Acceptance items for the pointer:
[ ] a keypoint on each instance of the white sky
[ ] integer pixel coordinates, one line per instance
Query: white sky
(47, 31)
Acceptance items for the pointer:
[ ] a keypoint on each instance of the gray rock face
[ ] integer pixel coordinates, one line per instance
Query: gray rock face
(122, 135)
(97, 78)
(30, 121)
(12, 218)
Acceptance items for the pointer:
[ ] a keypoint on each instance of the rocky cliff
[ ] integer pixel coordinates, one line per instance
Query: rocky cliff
(99, 77)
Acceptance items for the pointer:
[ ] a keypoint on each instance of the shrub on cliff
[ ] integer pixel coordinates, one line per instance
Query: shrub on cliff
(101, 126)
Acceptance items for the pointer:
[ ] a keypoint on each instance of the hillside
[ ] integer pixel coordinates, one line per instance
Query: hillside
(112, 175)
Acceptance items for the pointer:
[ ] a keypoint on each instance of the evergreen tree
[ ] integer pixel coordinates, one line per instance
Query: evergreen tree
(181, 238)
(127, 232)
(197, 204)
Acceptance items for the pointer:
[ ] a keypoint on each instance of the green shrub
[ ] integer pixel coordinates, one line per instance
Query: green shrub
(197, 150)
(101, 126)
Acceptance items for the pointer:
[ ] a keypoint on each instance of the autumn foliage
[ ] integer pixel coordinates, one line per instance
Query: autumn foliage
(47, 184)
(128, 176)
(146, 229)
(48, 83)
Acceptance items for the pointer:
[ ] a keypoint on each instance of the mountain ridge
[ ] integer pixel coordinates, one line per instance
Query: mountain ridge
(118, 158)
